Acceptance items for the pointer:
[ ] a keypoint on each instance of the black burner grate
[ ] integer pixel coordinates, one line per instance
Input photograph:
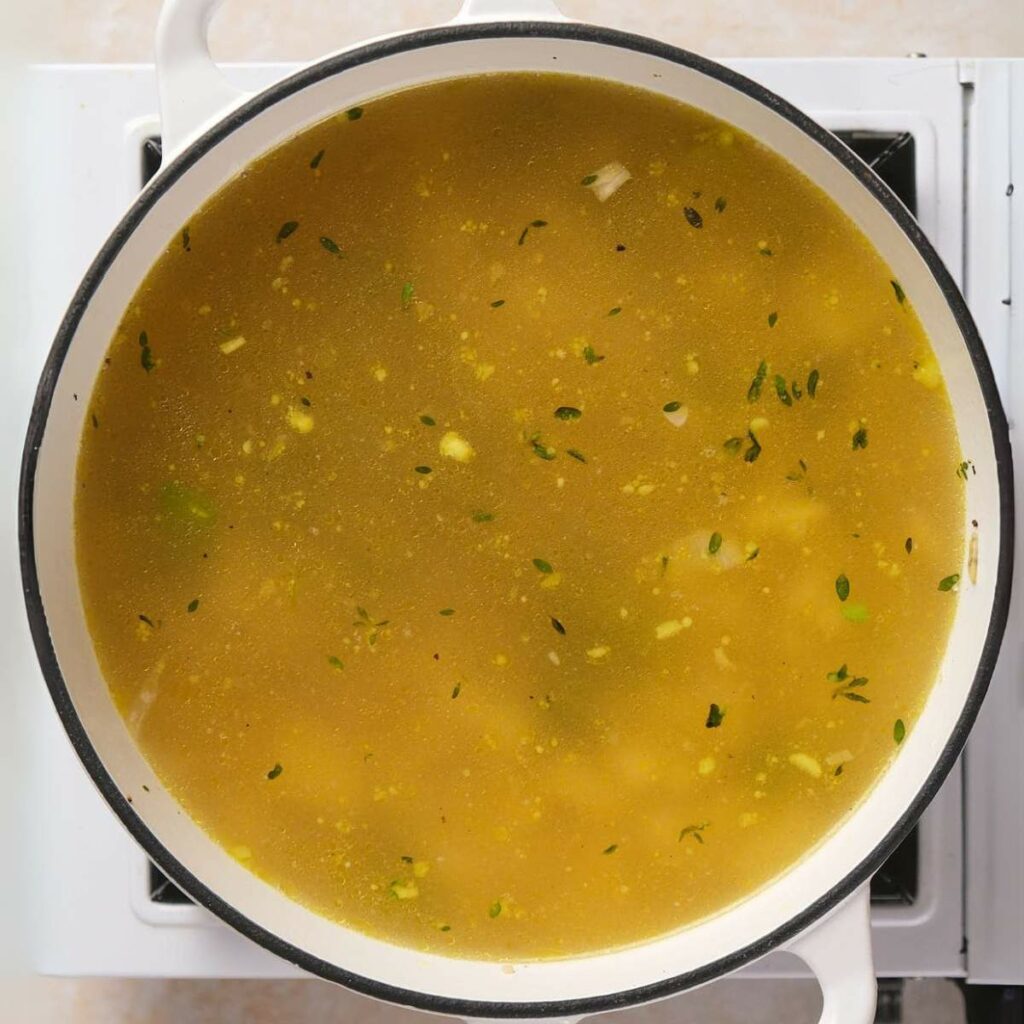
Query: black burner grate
(893, 157)
(162, 889)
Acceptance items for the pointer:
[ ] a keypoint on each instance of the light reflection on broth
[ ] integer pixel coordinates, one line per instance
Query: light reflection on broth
(512, 516)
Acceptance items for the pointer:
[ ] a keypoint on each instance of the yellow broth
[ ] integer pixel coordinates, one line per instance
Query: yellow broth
(505, 558)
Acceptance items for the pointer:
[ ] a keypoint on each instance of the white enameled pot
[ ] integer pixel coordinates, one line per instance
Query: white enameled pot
(819, 908)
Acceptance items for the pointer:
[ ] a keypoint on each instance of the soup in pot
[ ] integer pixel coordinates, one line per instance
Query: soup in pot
(519, 516)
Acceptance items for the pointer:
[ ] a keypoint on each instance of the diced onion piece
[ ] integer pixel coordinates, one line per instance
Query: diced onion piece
(227, 347)
(678, 416)
(299, 420)
(671, 627)
(454, 446)
(608, 180)
(806, 763)
(838, 757)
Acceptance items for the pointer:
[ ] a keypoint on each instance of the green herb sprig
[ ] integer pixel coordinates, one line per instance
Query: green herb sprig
(693, 831)
(848, 685)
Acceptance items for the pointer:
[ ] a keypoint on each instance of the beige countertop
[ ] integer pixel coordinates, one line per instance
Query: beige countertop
(122, 30)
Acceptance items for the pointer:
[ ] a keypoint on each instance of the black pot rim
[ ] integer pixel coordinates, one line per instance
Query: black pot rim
(176, 870)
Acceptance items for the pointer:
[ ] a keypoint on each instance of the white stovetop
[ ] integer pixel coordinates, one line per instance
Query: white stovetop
(120, 30)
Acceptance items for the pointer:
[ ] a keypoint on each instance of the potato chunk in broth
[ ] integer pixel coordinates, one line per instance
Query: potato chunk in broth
(520, 516)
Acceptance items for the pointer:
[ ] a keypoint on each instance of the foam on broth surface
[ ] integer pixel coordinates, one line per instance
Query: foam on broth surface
(520, 516)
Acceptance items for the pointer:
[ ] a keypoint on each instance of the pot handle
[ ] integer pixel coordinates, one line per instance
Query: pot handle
(838, 950)
(193, 91)
(509, 10)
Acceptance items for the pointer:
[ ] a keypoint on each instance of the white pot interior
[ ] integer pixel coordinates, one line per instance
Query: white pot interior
(591, 976)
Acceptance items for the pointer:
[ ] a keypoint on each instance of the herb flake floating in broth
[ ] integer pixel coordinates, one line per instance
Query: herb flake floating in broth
(754, 391)
(899, 731)
(274, 772)
(532, 224)
(860, 438)
(753, 453)
(693, 218)
(842, 587)
(949, 582)
(354, 114)
(848, 685)
(439, 755)
(773, 319)
(567, 412)
(693, 832)
(901, 295)
(146, 356)
(287, 229)
(715, 543)
(800, 473)
(542, 450)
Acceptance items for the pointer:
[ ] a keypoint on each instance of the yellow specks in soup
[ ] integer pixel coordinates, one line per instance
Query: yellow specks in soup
(520, 516)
